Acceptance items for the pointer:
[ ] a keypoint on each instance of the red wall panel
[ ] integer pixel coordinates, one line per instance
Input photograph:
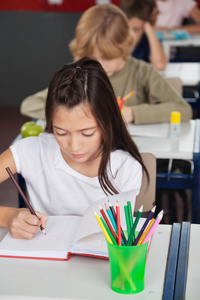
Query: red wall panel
(44, 5)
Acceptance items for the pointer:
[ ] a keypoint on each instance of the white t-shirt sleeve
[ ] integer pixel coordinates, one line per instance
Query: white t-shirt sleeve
(23, 152)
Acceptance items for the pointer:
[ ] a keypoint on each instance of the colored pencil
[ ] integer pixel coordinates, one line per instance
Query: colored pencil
(107, 222)
(24, 197)
(121, 101)
(108, 231)
(127, 218)
(114, 216)
(154, 226)
(144, 225)
(130, 213)
(131, 236)
(118, 224)
(102, 227)
(111, 217)
(128, 95)
(145, 232)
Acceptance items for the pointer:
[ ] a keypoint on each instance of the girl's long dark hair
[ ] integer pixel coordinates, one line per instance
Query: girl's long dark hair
(85, 81)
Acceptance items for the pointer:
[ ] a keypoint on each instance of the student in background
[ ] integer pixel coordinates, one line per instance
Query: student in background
(85, 153)
(103, 32)
(142, 16)
(171, 14)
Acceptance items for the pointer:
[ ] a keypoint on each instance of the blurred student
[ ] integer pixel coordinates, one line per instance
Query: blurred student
(142, 17)
(84, 154)
(171, 14)
(103, 32)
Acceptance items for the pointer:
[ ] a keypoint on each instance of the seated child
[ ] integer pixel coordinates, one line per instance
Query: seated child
(84, 154)
(142, 16)
(103, 32)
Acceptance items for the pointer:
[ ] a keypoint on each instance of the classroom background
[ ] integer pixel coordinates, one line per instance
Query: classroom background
(34, 43)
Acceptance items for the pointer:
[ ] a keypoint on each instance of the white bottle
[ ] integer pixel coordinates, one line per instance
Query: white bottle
(175, 126)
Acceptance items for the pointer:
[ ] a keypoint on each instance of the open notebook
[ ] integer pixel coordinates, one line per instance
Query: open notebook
(68, 234)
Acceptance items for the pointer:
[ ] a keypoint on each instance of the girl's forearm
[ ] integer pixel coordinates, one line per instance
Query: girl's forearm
(157, 55)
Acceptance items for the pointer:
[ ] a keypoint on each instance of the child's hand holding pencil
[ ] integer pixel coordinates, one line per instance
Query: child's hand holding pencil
(121, 101)
(24, 225)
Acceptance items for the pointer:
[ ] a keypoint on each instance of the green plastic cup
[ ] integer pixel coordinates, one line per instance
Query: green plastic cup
(127, 267)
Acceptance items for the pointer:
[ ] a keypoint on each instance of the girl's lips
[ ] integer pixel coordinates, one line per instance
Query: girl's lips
(77, 155)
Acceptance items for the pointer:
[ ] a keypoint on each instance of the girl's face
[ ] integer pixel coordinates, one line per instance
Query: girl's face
(110, 66)
(137, 26)
(77, 134)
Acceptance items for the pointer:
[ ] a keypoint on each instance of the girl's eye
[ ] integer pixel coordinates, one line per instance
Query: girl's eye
(87, 135)
(61, 134)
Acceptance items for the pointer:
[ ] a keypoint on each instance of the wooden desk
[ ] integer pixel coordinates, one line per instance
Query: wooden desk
(80, 277)
(188, 149)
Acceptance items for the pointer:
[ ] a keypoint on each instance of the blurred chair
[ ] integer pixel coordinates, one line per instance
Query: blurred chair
(190, 94)
(147, 193)
(176, 83)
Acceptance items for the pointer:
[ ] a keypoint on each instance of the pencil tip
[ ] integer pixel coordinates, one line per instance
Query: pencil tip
(161, 213)
(153, 209)
(141, 209)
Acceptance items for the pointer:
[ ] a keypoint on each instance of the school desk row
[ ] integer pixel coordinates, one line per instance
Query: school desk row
(89, 278)
(192, 42)
(156, 141)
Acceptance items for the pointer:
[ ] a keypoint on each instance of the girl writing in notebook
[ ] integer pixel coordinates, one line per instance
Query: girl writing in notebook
(85, 153)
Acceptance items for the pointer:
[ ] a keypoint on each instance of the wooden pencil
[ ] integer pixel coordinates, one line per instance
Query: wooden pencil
(107, 222)
(118, 224)
(23, 196)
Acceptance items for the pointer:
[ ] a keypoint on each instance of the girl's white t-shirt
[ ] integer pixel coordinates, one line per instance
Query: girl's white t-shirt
(54, 188)
(172, 12)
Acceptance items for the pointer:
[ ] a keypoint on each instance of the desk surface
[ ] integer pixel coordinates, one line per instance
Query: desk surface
(167, 44)
(163, 147)
(189, 73)
(89, 278)
(80, 277)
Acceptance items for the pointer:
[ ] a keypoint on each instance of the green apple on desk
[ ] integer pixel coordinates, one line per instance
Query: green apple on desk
(31, 129)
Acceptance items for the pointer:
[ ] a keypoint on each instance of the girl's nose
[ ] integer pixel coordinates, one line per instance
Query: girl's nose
(74, 144)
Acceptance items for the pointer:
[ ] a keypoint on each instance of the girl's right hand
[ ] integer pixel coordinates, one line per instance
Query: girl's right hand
(22, 224)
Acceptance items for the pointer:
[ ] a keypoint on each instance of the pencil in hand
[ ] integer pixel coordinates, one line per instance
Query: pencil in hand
(24, 197)
(121, 101)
